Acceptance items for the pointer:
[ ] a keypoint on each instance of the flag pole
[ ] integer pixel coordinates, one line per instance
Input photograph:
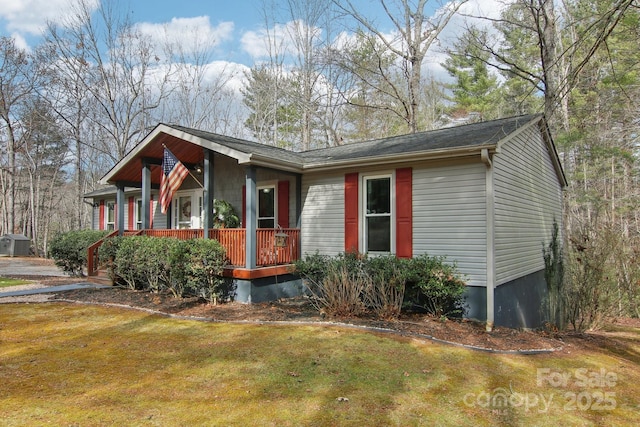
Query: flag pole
(196, 179)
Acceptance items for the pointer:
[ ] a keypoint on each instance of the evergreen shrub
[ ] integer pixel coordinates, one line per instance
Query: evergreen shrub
(69, 250)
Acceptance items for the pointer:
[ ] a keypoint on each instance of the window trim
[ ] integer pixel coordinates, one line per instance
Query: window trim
(362, 208)
(137, 213)
(196, 219)
(274, 188)
(110, 207)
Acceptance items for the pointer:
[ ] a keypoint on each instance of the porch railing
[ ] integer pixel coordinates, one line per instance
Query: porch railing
(271, 254)
(232, 239)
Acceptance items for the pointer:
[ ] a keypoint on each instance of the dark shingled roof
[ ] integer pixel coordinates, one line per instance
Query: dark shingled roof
(465, 136)
(244, 146)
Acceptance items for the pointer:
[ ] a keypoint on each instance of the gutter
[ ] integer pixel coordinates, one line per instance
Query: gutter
(446, 153)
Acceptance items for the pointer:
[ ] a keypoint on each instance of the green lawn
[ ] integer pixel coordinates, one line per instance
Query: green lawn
(63, 364)
(5, 282)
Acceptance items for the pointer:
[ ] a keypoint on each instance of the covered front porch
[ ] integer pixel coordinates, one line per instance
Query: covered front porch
(276, 248)
(262, 183)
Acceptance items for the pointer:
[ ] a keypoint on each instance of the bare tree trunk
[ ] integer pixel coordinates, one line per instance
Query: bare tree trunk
(417, 34)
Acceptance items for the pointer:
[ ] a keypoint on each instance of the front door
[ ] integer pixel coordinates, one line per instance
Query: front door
(187, 209)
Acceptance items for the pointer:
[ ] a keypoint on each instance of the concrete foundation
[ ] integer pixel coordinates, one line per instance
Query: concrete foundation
(521, 303)
(268, 288)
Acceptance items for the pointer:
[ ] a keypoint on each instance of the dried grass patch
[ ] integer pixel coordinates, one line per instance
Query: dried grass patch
(67, 364)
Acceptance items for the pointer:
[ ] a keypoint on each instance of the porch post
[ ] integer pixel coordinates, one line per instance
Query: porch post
(120, 202)
(251, 221)
(207, 196)
(146, 195)
(298, 201)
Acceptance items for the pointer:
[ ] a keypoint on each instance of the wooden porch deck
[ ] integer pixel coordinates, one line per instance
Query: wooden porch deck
(270, 258)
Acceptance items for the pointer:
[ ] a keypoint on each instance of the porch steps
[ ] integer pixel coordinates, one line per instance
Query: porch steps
(101, 278)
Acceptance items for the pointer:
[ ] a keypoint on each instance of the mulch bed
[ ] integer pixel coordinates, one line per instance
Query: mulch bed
(300, 310)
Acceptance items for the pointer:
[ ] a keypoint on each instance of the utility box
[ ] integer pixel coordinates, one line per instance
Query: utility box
(15, 245)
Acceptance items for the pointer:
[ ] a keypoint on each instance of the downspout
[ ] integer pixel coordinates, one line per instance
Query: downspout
(489, 209)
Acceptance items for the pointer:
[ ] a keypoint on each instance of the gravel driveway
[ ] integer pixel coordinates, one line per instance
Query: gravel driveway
(28, 266)
(36, 270)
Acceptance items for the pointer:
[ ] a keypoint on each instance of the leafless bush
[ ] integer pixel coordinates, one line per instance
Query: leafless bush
(340, 292)
(384, 295)
(593, 291)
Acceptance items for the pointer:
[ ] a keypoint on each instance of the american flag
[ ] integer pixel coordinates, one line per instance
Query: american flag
(173, 173)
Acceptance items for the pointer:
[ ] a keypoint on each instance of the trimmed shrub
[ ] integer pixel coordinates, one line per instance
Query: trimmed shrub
(204, 266)
(434, 286)
(352, 285)
(151, 256)
(126, 264)
(183, 267)
(175, 271)
(69, 250)
(312, 269)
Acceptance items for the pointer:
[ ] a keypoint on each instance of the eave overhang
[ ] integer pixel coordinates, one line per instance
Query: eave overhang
(129, 168)
(414, 156)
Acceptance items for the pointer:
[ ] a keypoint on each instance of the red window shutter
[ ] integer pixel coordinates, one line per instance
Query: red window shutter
(132, 203)
(351, 212)
(244, 206)
(404, 213)
(283, 204)
(101, 216)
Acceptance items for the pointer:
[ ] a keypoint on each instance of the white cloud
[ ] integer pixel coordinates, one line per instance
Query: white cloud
(28, 17)
(232, 72)
(280, 39)
(20, 42)
(472, 13)
(191, 34)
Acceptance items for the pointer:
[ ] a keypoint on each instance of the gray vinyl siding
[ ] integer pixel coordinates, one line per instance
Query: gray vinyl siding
(449, 217)
(228, 180)
(322, 214)
(159, 221)
(95, 218)
(528, 198)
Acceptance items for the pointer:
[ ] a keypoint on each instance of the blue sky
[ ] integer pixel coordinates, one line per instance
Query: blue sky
(232, 22)
(237, 26)
(24, 19)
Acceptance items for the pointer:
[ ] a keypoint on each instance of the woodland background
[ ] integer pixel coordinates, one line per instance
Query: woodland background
(96, 85)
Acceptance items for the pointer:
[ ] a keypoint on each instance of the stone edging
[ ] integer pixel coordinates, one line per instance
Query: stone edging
(321, 323)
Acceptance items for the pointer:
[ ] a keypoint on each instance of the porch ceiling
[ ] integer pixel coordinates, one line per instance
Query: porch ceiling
(185, 151)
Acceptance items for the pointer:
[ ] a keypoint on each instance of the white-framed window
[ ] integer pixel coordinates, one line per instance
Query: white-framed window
(110, 216)
(137, 213)
(267, 206)
(378, 213)
(188, 209)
